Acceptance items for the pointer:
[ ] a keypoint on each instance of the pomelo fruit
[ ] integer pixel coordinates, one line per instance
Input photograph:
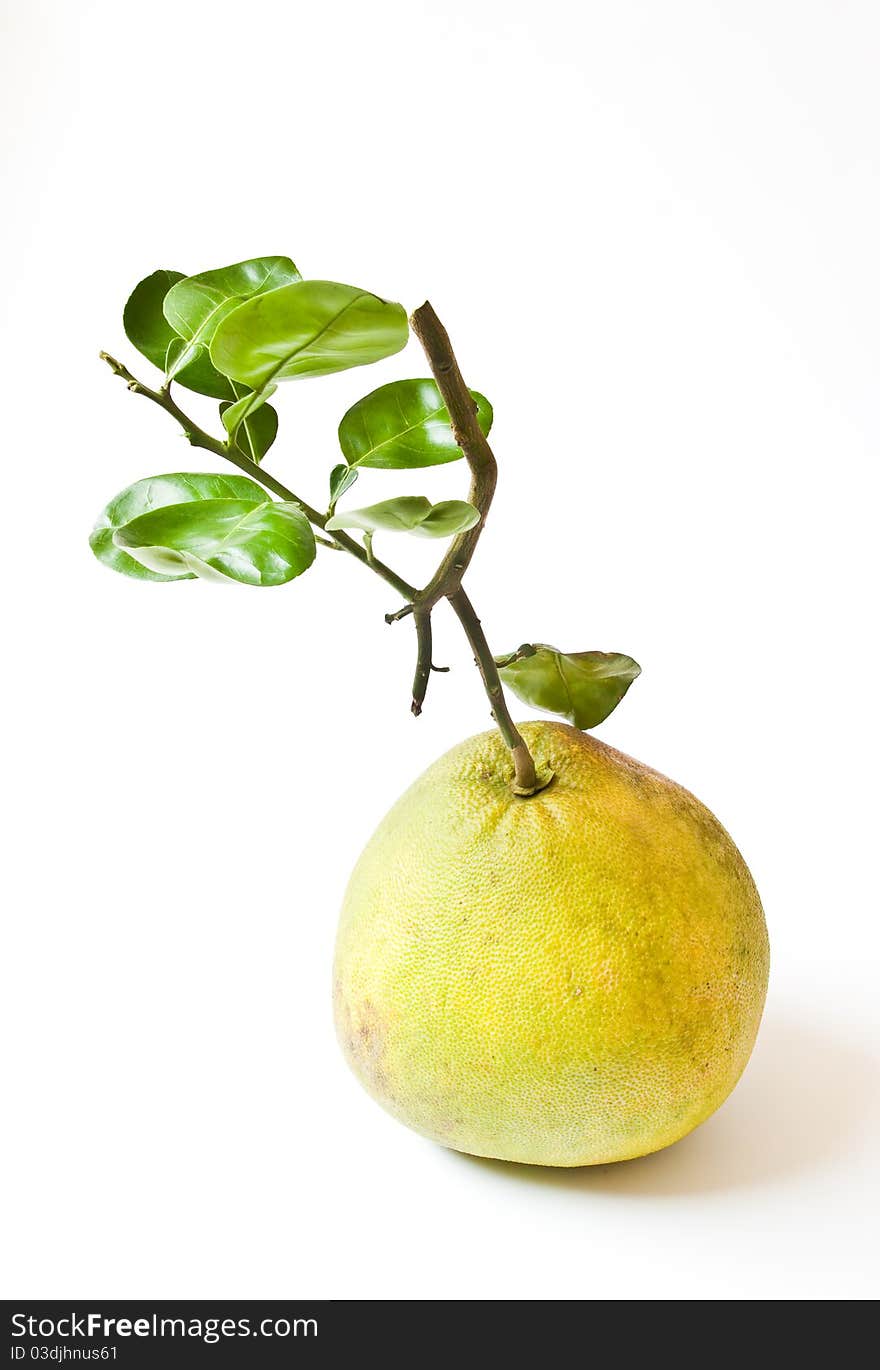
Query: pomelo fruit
(568, 979)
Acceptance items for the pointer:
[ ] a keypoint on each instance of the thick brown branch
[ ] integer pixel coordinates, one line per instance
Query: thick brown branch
(473, 443)
(446, 582)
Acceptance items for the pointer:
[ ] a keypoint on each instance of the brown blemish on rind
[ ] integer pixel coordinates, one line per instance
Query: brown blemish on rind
(362, 1033)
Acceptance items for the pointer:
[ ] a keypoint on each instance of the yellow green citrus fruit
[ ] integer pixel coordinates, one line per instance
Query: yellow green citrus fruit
(568, 979)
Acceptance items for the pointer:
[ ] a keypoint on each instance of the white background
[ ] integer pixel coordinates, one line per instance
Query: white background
(653, 233)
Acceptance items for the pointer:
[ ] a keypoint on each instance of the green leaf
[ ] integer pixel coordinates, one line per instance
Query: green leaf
(145, 324)
(310, 328)
(448, 517)
(393, 515)
(411, 514)
(584, 687)
(196, 306)
(150, 332)
(157, 492)
(255, 429)
(266, 543)
(402, 426)
(342, 478)
(248, 404)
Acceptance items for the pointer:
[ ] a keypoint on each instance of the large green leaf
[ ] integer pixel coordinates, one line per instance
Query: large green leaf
(196, 306)
(404, 425)
(255, 432)
(157, 492)
(411, 514)
(310, 328)
(584, 687)
(151, 333)
(266, 543)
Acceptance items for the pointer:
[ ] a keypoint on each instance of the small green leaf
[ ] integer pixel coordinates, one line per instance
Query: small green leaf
(392, 515)
(196, 306)
(342, 478)
(256, 431)
(411, 514)
(243, 408)
(150, 332)
(266, 543)
(157, 492)
(448, 517)
(402, 426)
(310, 328)
(584, 687)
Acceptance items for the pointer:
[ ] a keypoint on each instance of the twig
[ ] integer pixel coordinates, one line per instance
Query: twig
(424, 640)
(401, 613)
(525, 778)
(473, 443)
(199, 438)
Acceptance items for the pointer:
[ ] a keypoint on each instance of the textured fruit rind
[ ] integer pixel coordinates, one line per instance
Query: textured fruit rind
(564, 980)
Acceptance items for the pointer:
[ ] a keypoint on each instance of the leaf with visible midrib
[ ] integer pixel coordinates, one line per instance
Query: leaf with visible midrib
(410, 514)
(403, 426)
(157, 492)
(310, 328)
(150, 332)
(197, 305)
(584, 687)
(342, 478)
(269, 543)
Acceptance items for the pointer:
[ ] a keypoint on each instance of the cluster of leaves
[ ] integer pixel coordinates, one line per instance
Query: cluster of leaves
(235, 334)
